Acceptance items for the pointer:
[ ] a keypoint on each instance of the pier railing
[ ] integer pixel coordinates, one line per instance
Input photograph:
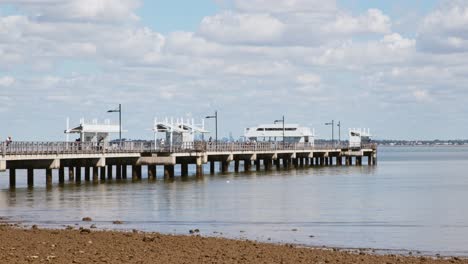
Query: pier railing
(64, 148)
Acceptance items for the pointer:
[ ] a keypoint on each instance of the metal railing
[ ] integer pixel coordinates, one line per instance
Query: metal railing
(64, 148)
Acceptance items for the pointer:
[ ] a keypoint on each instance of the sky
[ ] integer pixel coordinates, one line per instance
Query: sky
(397, 67)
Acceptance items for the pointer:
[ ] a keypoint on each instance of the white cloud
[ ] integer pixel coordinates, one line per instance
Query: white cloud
(285, 6)
(445, 30)
(303, 55)
(80, 10)
(374, 21)
(396, 41)
(6, 81)
(229, 27)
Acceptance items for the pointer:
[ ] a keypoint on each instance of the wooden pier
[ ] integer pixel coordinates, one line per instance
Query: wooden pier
(100, 163)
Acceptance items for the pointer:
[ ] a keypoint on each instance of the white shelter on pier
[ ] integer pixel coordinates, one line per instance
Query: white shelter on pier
(177, 132)
(293, 133)
(93, 131)
(359, 136)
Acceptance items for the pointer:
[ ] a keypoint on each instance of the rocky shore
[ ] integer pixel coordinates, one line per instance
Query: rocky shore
(34, 245)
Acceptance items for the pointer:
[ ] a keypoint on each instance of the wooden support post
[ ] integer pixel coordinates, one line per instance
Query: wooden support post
(184, 169)
(109, 172)
(168, 171)
(236, 165)
(87, 173)
(369, 160)
(268, 164)
(118, 172)
(278, 163)
(102, 173)
(61, 175)
(307, 162)
(374, 158)
(301, 162)
(212, 167)
(258, 164)
(12, 178)
(77, 174)
(30, 177)
(136, 172)
(151, 172)
(71, 174)
(95, 174)
(225, 166)
(199, 170)
(124, 171)
(247, 165)
(48, 177)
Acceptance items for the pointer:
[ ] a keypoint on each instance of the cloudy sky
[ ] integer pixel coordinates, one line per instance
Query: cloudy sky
(398, 67)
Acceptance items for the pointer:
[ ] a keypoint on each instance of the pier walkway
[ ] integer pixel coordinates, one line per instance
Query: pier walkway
(105, 161)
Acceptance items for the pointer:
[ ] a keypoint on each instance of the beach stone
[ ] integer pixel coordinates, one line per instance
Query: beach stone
(148, 239)
(117, 222)
(85, 231)
(87, 219)
(93, 226)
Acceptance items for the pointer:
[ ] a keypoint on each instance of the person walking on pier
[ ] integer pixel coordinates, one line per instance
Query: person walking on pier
(8, 141)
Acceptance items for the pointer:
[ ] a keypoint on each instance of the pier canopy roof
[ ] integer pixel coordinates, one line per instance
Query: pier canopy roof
(357, 136)
(93, 131)
(178, 131)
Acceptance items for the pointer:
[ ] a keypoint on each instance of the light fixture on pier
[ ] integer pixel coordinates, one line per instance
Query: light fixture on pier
(281, 121)
(215, 116)
(332, 124)
(339, 132)
(119, 110)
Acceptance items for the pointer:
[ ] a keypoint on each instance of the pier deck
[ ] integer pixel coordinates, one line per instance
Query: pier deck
(99, 161)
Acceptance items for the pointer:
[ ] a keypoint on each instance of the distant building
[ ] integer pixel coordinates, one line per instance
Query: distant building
(293, 133)
(93, 131)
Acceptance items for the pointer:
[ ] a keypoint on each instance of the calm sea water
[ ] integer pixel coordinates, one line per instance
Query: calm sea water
(415, 199)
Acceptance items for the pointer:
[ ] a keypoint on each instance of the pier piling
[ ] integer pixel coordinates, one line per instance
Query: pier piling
(12, 178)
(48, 177)
(77, 174)
(151, 172)
(71, 174)
(30, 177)
(61, 175)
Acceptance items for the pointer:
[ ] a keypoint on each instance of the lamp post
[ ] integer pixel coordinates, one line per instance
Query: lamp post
(215, 116)
(339, 132)
(332, 124)
(119, 110)
(282, 121)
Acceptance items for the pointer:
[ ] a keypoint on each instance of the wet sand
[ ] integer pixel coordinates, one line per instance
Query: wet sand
(35, 245)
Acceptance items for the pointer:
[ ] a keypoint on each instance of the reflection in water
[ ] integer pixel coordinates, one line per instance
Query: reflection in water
(413, 200)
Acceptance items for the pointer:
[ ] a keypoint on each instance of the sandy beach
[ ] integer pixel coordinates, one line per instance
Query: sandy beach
(34, 245)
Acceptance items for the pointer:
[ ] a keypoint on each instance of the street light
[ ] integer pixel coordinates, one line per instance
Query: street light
(339, 132)
(216, 126)
(282, 121)
(120, 121)
(332, 124)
